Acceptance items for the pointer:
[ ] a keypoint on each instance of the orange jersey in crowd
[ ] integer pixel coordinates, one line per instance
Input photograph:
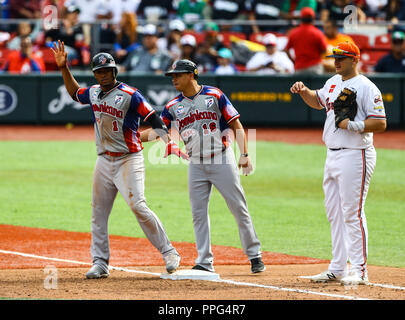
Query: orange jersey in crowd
(17, 63)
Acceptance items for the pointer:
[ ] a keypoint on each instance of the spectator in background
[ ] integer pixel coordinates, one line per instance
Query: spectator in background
(4, 10)
(308, 43)
(71, 33)
(334, 9)
(395, 60)
(264, 10)
(89, 9)
(228, 10)
(270, 61)
(126, 38)
(123, 6)
(171, 43)
(148, 58)
(191, 11)
(333, 38)
(224, 63)
(291, 9)
(24, 60)
(154, 10)
(394, 12)
(23, 30)
(22, 9)
(207, 51)
(373, 8)
(189, 50)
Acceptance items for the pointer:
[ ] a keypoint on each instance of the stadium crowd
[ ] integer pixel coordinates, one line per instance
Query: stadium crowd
(220, 36)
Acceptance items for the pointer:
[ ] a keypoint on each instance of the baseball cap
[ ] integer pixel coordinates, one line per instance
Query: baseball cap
(397, 35)
(149, 30)
(177, 25)
(307, 12)
(345, 49)
(269, 39)
(72, 9)
(188, 39)
(225, 53)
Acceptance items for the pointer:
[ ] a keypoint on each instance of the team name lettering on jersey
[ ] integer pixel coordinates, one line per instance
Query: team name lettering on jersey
(328, 105)
(194, 116)
(108, 109)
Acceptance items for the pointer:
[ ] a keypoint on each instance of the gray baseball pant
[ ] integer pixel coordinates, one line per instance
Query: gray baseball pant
(224, 176)
(127, 175)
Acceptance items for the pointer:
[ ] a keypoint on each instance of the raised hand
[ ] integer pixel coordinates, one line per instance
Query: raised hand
(60, 54)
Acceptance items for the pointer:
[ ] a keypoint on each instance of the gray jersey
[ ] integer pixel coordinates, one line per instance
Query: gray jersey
(117, 115)
(201, 120)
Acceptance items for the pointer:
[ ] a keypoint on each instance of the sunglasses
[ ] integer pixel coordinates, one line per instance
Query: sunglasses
(340, 52)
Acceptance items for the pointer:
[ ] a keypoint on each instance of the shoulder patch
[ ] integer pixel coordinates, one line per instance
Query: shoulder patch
(211, 91)
(127, 89)
(172, 102)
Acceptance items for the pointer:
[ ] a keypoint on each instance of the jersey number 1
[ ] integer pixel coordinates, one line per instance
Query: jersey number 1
(115, 126)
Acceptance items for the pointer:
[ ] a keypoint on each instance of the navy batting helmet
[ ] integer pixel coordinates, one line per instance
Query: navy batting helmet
(103, 60)
(183, 66)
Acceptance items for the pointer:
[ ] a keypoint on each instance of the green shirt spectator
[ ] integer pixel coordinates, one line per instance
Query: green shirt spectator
(191, 11)
(291, 8)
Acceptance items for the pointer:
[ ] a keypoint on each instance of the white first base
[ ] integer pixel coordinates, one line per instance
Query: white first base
(190, 275)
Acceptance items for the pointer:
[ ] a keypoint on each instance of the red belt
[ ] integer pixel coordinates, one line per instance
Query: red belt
(114, 154)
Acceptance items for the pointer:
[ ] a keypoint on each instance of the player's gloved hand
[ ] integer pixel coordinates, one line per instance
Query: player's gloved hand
(345, 106)
(173, 148)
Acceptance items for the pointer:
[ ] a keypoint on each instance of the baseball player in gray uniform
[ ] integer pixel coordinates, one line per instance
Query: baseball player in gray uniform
(117, 110)
(205, 119)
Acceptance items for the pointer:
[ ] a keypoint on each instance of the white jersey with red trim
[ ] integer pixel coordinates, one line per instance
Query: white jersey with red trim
(117, 115)
(369, 104)
(201, 120)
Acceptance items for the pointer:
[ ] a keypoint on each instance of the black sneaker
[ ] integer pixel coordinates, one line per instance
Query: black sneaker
(198, 267)
(257, 265)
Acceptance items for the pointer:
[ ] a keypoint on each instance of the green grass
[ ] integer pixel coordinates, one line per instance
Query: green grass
(48, 185)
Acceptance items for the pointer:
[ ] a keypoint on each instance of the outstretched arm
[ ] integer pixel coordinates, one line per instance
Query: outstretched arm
(61, 61)
(159, 129)
(308, 95)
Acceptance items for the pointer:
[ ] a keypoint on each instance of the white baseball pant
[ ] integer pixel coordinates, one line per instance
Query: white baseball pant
(347, 175)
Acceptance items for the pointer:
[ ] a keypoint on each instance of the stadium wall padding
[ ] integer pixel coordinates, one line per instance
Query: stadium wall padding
(261, 100)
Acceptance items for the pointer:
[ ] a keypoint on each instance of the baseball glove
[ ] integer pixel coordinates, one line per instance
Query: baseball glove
(345, 106)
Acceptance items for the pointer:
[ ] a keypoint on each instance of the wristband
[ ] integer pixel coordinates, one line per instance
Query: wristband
(356, 126)
(244, 154)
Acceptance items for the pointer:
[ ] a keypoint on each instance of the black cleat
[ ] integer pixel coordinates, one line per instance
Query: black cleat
(198, 267)
(257, 265)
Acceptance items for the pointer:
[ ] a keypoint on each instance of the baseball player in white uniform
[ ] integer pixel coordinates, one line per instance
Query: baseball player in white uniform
(204, 117)
(349, 164)
(117, 109)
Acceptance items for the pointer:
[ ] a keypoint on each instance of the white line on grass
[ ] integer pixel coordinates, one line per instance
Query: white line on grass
(28, 255)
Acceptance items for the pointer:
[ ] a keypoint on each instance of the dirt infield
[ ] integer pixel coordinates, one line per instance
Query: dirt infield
(25, 252)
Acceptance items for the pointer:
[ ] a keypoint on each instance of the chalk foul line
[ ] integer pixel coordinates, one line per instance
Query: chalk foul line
(237, 283)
